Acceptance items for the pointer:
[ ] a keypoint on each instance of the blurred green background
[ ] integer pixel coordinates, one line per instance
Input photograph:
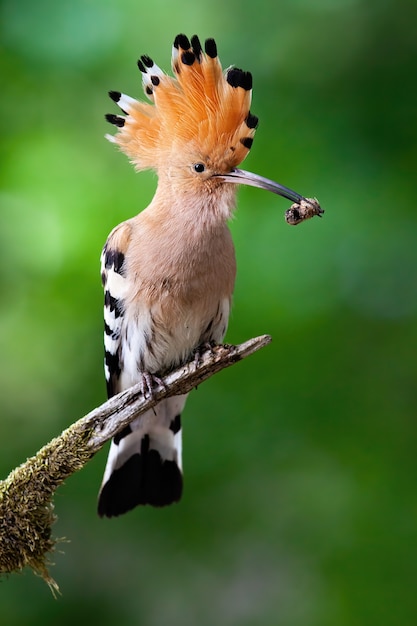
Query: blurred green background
(300, 497)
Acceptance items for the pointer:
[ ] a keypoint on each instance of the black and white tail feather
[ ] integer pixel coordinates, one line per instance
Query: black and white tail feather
(144, 463)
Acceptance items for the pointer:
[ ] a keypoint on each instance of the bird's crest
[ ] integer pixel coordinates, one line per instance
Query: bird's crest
(201, 108)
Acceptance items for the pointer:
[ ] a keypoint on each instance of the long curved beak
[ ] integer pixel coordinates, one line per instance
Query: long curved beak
(302, 208)
(242, 177)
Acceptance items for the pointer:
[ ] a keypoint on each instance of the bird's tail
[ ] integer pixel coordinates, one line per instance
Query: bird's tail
(144, 465)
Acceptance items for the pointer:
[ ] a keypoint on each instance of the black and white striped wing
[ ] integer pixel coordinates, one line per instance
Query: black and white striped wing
(115, 287)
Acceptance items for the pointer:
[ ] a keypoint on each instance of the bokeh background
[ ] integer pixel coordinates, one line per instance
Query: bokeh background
(300, 497)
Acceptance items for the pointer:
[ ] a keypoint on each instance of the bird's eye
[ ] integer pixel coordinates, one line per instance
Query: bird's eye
(199, 168)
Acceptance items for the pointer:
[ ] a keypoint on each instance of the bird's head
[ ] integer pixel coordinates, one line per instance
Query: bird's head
(198, 127)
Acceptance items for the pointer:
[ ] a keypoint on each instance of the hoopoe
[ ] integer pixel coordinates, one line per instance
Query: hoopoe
(168, 273)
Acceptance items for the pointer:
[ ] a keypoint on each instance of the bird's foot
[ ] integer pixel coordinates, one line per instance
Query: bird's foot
(198, 352)
(149, 382)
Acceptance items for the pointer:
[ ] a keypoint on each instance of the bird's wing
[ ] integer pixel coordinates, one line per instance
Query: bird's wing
(144, 462)
(115, 288)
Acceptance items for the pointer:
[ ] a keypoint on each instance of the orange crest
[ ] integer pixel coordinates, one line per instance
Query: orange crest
(201, 109)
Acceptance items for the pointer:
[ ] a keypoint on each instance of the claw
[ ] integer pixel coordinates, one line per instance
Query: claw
(207, 345)
(149, 382)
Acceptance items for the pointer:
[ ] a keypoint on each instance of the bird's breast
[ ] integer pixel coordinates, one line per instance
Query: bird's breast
(187, 265)
(180, 293)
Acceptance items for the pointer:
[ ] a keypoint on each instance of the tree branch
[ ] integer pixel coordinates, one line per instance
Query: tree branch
(26, 508)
